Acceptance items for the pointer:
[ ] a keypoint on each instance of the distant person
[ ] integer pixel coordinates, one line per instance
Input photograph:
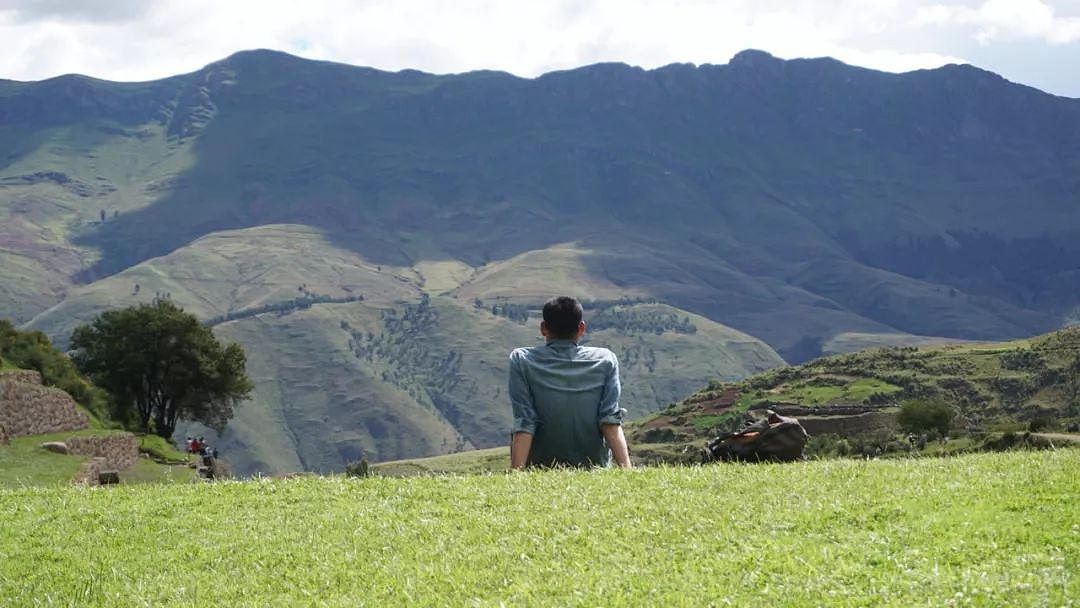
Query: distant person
(565, 397)
(196, 445)
(189, 441)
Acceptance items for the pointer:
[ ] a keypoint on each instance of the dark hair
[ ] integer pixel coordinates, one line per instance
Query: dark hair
(562, 316)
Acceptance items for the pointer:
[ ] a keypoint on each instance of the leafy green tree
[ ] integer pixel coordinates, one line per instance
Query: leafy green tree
(162, 364)
(919, 415)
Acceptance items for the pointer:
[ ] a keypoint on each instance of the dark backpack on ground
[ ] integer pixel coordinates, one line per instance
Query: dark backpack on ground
(773, 438)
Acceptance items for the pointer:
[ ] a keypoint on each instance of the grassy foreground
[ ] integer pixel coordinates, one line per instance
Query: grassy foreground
(984, 530)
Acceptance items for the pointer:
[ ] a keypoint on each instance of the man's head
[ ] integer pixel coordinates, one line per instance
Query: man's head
(562, 319)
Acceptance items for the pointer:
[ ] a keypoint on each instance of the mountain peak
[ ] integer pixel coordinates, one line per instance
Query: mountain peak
(754, 57)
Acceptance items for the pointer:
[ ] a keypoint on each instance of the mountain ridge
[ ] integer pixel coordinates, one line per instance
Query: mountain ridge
(745, 57)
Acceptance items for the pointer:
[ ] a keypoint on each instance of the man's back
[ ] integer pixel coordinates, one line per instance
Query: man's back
(561, 394)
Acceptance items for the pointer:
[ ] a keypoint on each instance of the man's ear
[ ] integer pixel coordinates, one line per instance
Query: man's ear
(581, 329)
(543, 329)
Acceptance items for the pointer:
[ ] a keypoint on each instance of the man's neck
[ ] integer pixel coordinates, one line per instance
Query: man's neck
(562, 341)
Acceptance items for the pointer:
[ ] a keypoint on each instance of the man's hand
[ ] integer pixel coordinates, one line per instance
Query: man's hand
(520, 446)
(613, 433)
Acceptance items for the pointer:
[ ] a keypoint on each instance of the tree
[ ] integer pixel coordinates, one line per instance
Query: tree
(1072, 387)
(919, 415)
(162, 364)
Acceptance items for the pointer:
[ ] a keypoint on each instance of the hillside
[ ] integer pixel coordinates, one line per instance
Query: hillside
(925, 532)
(793, 200)
(991, 385)
(351, 358)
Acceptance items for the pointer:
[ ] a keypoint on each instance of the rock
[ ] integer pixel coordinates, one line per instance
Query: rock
(58, 447)
(106, 478)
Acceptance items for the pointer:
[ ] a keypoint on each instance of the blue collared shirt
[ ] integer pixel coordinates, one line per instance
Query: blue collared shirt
(561, 393)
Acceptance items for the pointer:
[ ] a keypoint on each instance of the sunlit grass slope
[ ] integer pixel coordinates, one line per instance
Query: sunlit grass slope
(986, 530)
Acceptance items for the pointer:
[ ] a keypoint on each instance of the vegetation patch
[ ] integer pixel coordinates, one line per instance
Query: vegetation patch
(33, 350)
(713, 422)
(161, 449)
(927, 532)
(1022, 385)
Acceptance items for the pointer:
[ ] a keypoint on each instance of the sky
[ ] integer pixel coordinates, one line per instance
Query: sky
(1034, 42)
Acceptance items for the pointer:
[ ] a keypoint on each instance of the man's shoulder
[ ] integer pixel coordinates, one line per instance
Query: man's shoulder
(598, 353)
(522, 354)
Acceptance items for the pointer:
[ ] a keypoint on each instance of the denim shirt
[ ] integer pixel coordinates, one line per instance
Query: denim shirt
(561, 393)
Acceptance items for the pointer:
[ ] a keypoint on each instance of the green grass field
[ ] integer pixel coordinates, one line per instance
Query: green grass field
(983, 530)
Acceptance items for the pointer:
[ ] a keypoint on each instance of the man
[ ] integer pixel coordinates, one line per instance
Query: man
(565, 397)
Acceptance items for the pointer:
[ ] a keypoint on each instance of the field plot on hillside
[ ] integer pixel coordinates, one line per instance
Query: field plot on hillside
(988, 530)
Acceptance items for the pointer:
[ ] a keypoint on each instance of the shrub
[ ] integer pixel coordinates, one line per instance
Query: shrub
(1022, 359)
(359, 468)
(1041, 422)
(920, 415)
(828, 446)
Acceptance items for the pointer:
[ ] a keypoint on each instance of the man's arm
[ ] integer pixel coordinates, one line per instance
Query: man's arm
(610, 415)
(525, 417)
(519, 450)
(613, 433)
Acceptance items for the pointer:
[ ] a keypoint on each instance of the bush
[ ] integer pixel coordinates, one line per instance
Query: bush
(1040, 423)
(359, 468)
(828, 446)
(921, 415)
(1022, 359)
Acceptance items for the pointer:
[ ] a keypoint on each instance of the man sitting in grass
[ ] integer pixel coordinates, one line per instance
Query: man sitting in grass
(565, 397)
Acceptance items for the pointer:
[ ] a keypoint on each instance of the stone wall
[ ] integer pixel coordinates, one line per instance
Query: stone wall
(849, 426)
(28, 408)
(27, 376)
(90, 472)
(118, 451)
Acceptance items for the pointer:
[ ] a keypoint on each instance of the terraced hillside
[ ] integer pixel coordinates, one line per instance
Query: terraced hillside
(352, 358)
(990, 384)
(339, 381)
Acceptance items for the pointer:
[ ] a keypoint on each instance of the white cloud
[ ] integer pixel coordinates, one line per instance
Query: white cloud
(1007, 19)
(144, 39)
(140, 39)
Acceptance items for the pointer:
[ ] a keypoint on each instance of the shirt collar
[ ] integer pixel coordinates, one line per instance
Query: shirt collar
(562, 342)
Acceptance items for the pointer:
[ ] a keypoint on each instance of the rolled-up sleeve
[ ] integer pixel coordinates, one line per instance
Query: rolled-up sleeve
(609, 411)
(521, 401)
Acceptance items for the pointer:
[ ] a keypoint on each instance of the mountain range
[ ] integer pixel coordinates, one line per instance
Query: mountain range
(379, 240)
